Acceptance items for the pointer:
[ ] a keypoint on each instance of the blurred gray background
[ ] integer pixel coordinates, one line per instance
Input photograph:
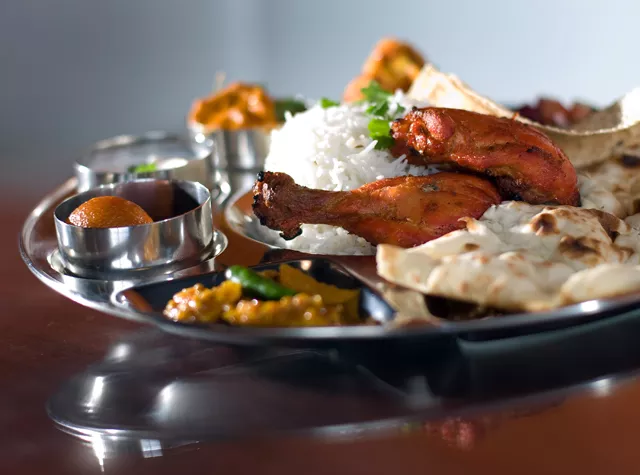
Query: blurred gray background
(76, 71)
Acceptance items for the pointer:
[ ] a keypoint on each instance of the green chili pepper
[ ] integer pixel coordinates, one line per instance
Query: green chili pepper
(262, 286)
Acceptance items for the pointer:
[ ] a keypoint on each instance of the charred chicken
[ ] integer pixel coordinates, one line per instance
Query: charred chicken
(405, 211)
(524, 162)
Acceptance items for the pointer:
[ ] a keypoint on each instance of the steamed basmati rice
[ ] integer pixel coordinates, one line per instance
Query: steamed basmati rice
(330, 149)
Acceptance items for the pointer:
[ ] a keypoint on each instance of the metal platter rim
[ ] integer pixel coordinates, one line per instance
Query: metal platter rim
(379, 333)
(40, 267)
(46, 275)
(566, 316)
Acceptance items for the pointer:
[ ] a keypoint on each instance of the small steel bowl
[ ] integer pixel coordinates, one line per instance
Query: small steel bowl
(235, 150)
(180, 236)
(236, 155)
(109, 161)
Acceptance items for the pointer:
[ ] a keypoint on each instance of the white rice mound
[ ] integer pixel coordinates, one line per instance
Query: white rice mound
(330, 149)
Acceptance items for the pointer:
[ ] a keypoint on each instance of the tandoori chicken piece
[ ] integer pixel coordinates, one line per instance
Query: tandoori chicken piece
(405, 211)
(525, 163)
(392, 63)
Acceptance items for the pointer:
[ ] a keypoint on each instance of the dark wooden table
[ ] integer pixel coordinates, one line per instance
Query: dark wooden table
(46, 339)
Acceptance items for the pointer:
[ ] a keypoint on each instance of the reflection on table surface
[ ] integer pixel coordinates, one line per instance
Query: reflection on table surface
(151, 386)
(154, 387)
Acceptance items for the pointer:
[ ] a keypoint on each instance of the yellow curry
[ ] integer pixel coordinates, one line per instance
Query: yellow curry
(306, 302)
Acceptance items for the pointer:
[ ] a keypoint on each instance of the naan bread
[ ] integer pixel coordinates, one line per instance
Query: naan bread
(410, 306)
(596, 193)
(522, 257)
(602, 134)
(613, 186)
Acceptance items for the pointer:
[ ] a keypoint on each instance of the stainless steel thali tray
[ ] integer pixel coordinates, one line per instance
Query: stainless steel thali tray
(236, 243)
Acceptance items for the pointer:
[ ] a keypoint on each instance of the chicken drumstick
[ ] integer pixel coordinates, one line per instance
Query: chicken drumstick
(405, 211)
(526, 164)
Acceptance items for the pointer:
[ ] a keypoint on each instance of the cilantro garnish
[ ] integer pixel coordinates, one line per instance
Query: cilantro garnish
(378, 110)
(384, 142)
(143, 168)
(378, 127)
(379, 105)
(374, 93)
(326, 103)
(290, 105)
